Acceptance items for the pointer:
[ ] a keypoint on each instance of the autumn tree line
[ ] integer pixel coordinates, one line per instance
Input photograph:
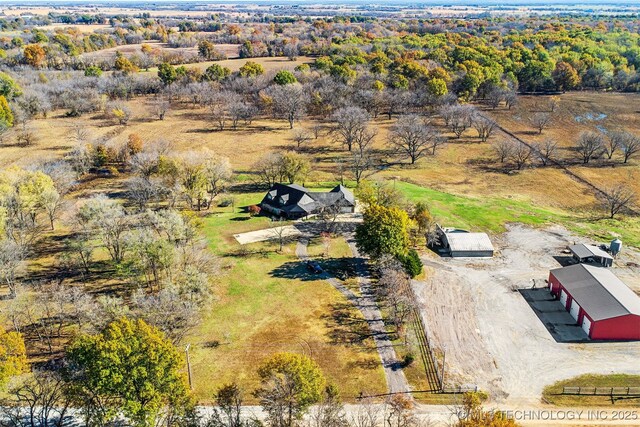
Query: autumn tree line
(537, 53)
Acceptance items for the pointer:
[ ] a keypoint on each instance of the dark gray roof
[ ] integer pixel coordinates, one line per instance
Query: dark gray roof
(348, 195)
(295, 198)
(588, 251)
(598, 291)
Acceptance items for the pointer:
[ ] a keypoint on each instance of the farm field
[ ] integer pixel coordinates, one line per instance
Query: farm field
(128, 50)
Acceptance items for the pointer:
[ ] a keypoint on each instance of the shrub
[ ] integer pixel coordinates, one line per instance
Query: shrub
(92, 71)
(254, 210)
(226, 202)
(408, 359)
(411, 263)
(284, 77)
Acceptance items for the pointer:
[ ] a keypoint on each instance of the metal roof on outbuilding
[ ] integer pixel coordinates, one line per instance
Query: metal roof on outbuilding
(598, 291)
(587, 251)
(469, 242)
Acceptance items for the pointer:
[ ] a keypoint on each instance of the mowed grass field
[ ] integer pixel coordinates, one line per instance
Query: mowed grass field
(266, 303)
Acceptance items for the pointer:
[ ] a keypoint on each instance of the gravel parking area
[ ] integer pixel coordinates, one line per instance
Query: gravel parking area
(491, 334)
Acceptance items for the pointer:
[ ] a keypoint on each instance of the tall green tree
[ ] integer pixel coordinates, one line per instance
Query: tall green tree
(216, 73)
(167, 73)
(290, 384)
(131, 368)
(8, 87)
(251, 69)
(284, 77)
(385, 230)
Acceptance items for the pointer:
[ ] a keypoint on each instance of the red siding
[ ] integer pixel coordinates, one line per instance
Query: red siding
(618, 328)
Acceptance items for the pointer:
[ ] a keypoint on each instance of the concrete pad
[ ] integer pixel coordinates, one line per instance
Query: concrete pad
(287, 231)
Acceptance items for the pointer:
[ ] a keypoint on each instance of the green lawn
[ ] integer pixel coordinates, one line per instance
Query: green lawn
(267, 302)
(553, 393)
(491, 214)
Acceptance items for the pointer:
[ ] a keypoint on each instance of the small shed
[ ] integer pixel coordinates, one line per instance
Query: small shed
(598, 300)
(587, 254)
(461, 243)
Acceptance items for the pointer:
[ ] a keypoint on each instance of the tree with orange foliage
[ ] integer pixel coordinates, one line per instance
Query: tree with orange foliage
(472, 414)
(135, 144)
(34, 55)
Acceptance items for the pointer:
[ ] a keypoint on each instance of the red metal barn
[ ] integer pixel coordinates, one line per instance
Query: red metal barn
(600, 302)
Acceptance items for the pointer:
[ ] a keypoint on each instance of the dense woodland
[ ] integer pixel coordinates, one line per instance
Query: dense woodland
(149, 243)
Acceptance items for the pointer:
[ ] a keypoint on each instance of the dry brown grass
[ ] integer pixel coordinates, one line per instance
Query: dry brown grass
(464, 167)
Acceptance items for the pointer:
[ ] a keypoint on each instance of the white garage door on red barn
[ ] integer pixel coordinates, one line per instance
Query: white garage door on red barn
(574, 310)
(586, 324)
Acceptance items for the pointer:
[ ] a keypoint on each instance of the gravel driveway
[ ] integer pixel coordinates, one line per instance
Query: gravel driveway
(492, 336)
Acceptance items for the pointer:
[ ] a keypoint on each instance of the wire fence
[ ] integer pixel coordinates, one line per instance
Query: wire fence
(602, 391)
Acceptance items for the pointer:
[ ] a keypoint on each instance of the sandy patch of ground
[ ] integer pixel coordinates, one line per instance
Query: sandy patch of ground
(492, 336)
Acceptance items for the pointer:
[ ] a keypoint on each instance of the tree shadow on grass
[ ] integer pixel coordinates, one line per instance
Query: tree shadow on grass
(346, 325)
(295, 270)
(342, 268)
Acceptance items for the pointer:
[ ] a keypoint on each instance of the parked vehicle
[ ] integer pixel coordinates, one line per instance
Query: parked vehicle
(314, 267)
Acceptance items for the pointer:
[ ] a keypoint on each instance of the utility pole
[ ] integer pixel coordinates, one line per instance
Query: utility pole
(186, 350)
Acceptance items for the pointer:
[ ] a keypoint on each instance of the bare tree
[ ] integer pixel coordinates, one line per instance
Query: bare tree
(628, 143)
(414, 137)
(160, 107)
(546, 151)
(268, 170)
(108, 218)
(613, 143)
(26, 136)
(484, 126)
(329, 412)
(144, 190)
(617, 198)
(495, 96)
(43, 400)
(361, 165)
(288, 101)
(395, 292)
(540, 121)
(351, 123)
(520, 154)
(367, 414)
(460, 118)
(12, 257)
(217, 172)
(316, 129)
(364, 138)
(503, 149)
(589, 146)
(301, 137)
(511, 98)
(174, 313)
(4, 127)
